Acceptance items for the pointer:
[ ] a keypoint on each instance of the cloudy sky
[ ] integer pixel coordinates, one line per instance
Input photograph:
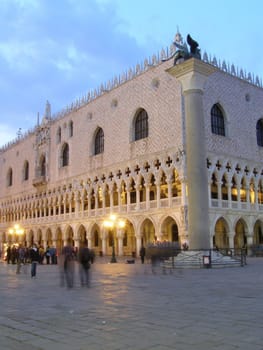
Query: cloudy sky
(58, 50)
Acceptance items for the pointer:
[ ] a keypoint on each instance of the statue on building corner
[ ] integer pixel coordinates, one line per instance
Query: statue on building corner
(182, 52)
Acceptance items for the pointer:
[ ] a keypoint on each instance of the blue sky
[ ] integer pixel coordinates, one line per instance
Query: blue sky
(58, 50)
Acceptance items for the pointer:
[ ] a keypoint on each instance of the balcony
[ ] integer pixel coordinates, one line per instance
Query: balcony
(39, 181)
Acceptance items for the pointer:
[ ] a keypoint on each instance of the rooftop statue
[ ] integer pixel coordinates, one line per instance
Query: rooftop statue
(182, 52)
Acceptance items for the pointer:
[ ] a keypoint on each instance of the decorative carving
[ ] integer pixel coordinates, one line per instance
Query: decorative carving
(184, 215)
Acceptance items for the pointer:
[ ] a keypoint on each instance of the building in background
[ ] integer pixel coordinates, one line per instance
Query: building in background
(173, 148)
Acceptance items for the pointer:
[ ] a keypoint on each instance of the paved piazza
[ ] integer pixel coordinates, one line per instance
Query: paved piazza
(128, 307)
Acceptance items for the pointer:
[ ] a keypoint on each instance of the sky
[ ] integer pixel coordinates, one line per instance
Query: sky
(59, 50)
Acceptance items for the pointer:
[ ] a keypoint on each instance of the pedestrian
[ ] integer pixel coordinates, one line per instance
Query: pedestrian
(85, 259)
(47, 254)
(142, 253)
(13, 254)
(41, 254)
(68, 257)
(34, 257)
(20, 258)
(8, 254)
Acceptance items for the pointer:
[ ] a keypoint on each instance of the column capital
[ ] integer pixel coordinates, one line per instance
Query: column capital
(192, 73)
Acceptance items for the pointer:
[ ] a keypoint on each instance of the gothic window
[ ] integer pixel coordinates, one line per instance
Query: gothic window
(260, 192)
(99, 142)
(65, 155)
(260, 132)
(132, 192)
(217, 121)
(224, 189)
(10, 177)
(59, 135)
(234, 190)
(70, 126)
(42, 164)
(141, 129)
(26, 171)
(214, 190)
(243, 191)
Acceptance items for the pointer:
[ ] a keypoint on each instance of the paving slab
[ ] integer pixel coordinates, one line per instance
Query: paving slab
(128, 307)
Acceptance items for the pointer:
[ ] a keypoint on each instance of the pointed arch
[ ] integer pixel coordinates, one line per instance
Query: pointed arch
(217, 120)
(141, 127)
(259, 132)
(26, 170)
(65, 155)
(163, 185)
(213, 186)
(42, 165)
(258, 232)
(220, 238)
(9, 177)
(58, 136)
(224, 187)
(169, 229)
(70, 128)
(241, 229)
(234, 189)
(99, 141)
(147, 230)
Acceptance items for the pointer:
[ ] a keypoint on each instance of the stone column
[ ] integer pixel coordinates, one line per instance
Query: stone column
(231, 236)
(193, 74)
(138, 244)
(119, 235)
(104, 241)
(249, 244)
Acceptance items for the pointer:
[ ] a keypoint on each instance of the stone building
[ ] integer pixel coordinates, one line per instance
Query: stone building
(172, 149)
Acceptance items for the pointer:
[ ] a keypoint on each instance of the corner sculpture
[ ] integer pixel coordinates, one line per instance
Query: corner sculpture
(182, 52)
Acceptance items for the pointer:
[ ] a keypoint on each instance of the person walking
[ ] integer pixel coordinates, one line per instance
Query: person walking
(84, 258)
(34, 257)
(68, 257)
(20, 258)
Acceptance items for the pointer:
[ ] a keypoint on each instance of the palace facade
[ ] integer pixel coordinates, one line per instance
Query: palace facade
(173, 151)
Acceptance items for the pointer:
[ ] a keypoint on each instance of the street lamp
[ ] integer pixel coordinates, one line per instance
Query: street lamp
(16, 231)
(111, 224)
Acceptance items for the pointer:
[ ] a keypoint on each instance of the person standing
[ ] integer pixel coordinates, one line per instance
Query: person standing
(34, 257)
(8, 254)
(142, 253)
(47, 254)
(85, 258)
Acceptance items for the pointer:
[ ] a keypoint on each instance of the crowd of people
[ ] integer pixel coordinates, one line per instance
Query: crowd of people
(17, 253)
(66, 260)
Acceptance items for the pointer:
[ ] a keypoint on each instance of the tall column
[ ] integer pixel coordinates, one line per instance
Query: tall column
(104, 237)
(138, 244)
(120, 234)
(193, 74)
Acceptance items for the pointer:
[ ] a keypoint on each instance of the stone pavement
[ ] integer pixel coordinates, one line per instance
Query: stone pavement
(129, 308)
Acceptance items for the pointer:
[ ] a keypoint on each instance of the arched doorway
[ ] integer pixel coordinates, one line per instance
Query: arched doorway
(240, 239)
(220, 239)
(59, 240)
(148, 232)
(258, 233)
(170, 230)
(82, 235)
